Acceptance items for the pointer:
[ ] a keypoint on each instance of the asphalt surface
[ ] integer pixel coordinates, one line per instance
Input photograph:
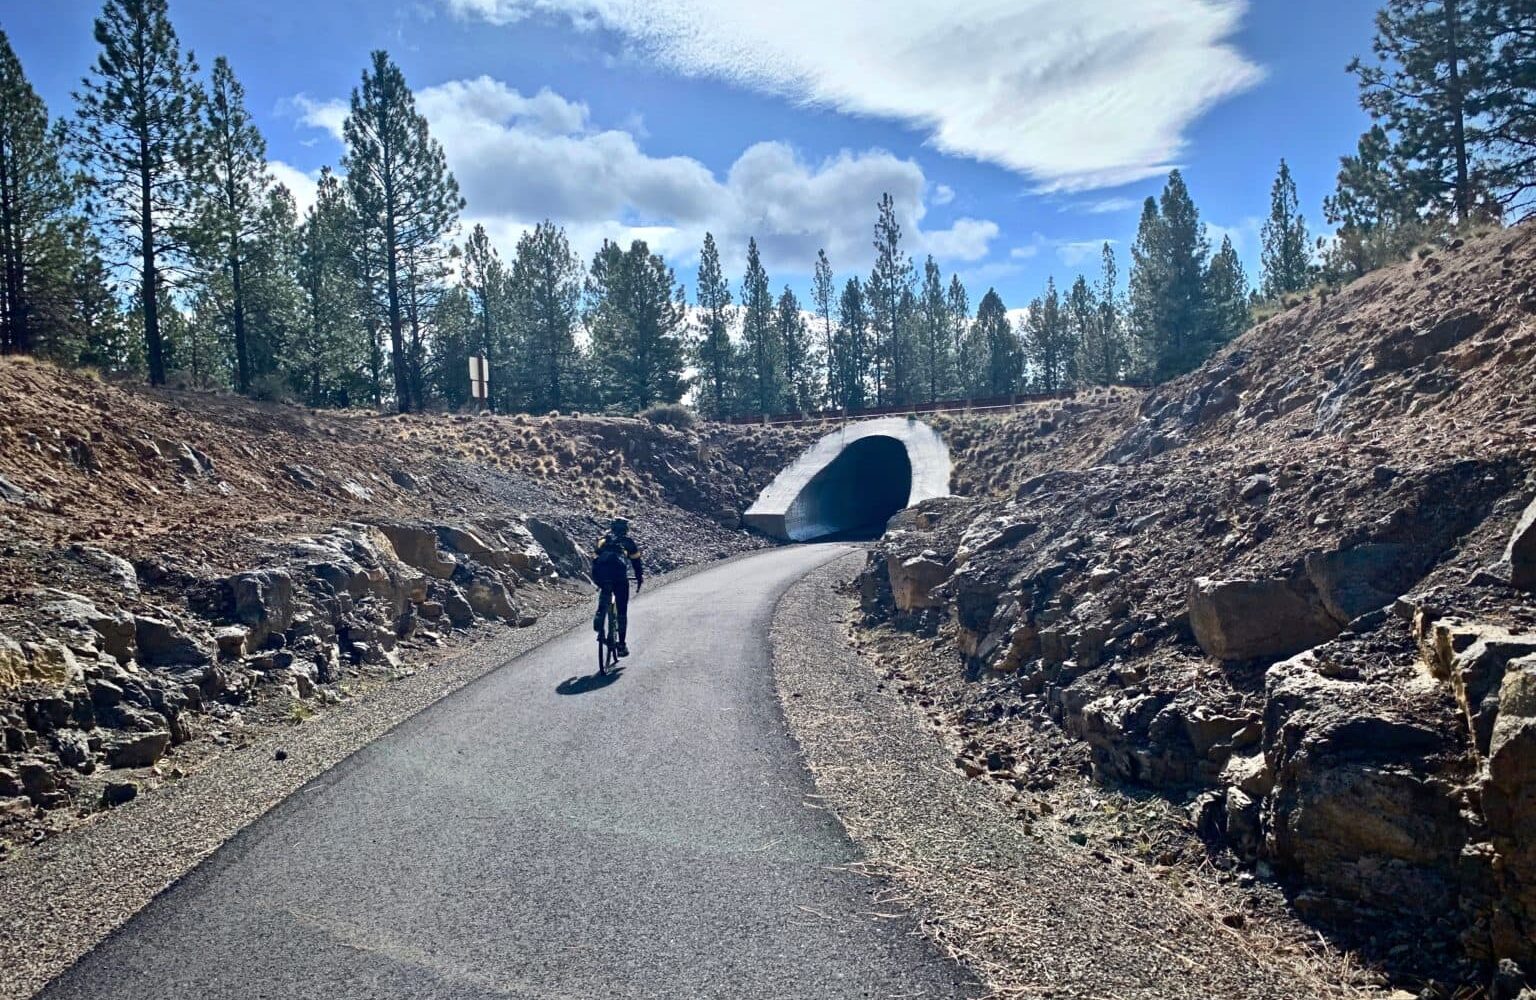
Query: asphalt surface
(541, 834)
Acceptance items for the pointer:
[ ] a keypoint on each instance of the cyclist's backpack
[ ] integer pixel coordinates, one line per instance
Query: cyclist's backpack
(608, 564)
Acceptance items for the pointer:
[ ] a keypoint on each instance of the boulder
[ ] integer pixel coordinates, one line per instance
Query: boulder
(262, 601)
(1521, 552)
(118, 569)
(562, 550)
(458, 609)
(913, 580)
(1254, 619)
(1354, 581)
(136, 749)
(118, 634)
(162, 643)
(15, 667)
(467, 542)
(51, 662)
(489, 597)
(417, 547)
(1366, 806)
(1509, 805)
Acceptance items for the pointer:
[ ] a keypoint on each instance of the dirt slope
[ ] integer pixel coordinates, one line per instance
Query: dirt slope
(1235, 604)
(175, 566)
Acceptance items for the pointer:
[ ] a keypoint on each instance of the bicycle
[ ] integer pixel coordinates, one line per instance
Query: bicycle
(608, 633)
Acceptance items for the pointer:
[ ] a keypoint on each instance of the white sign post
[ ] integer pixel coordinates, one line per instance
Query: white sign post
(479, 378)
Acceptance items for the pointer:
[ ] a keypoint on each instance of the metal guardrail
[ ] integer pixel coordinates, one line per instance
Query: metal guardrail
(988, 404)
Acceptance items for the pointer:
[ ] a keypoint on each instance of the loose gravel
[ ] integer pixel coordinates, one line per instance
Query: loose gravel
(1029, 912)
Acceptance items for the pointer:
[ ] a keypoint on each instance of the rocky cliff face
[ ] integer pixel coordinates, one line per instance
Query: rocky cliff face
(177, 566)
(1294, 592)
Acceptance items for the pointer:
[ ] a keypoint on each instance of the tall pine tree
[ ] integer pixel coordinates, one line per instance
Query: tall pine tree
(1432, 59)
(822, 292)
(136, 132)
(407, 202)
(998, 345)
(853, 354)
(802, 363)
(36, 200)
(1168, 283)
(935, 335)
(714, 353)
(636, 316)
(1226, 295)
(233, 185)
(889, 280)
(759, 335)
(329, 355)
(1286, 253)
(546, 295)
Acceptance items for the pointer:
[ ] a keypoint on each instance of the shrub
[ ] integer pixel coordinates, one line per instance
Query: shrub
(672, 414)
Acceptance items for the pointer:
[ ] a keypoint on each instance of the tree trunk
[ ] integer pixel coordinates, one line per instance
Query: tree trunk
(17, 335)
(1459, 114)
(150, 285)
(396, 327)
(242, 351)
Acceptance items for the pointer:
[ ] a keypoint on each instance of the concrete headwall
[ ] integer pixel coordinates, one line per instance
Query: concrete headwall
(856, 477)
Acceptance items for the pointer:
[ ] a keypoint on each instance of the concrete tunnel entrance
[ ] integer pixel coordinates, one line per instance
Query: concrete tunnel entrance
(851, 481)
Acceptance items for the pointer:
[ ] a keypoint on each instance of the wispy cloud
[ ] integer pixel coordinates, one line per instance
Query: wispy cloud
(1075, 96)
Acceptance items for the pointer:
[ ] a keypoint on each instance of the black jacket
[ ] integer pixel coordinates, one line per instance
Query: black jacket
(608, 559)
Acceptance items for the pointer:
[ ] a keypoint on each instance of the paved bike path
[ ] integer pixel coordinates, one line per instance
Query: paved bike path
(537, 835)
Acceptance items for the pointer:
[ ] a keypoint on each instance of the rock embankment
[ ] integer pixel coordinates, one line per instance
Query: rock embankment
(1296, 595)
(176, 566)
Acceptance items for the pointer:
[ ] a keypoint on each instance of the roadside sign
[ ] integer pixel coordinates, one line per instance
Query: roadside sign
(479, 377)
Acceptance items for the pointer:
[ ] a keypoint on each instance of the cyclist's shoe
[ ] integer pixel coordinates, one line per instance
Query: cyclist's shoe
(623, 649)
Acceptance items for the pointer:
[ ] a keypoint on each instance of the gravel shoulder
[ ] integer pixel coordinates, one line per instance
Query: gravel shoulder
(79, 887)
(1027, 910)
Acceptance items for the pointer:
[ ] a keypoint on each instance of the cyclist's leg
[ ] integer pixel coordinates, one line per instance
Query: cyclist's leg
(602, 609)
(621, 598)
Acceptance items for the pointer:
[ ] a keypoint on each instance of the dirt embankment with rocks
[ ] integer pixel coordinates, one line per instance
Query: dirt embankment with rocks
(176, 567)
(1293, 595)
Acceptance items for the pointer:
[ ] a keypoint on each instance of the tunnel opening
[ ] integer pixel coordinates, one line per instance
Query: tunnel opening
(855, 494)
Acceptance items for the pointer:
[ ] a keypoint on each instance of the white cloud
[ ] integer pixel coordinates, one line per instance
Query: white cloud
(522, 159)
(943, 194)
(1105, 206)
(1073, 252)
(327, 115)
(301, 185)
(1076, 96)
(1245, 235)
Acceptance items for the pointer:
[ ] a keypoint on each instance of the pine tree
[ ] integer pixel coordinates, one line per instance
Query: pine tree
(328, 354)
(853, 350)
(546, 297)
(457, 334)
(1083, 319)
(714, 354)
(1375, 214)
(1048, 346)
(958, 308)
(889, 279)
(935, 335)
(1103, 357)
(408, 203)
(1507, 98)
(274, 298)
(1285, 255)
(1432, 59)
(636, 315)
(135, 130)
(997, 344)
(233, 184)
(1226, 295)
(801, 369)
(822, 291)
(36, 231)
(484, 284)
(759, 336)
(1167, 283)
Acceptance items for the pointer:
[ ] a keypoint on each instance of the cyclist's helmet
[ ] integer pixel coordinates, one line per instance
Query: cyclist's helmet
(620, 525)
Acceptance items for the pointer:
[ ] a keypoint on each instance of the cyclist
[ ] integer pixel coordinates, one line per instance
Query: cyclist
(612, 576)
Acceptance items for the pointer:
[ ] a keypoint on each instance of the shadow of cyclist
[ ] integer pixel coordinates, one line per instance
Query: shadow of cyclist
(589, 683)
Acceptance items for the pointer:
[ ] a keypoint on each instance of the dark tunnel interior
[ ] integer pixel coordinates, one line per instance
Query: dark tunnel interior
(855, 494)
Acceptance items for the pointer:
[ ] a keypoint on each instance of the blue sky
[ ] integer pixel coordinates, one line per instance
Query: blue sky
(1015, 135)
